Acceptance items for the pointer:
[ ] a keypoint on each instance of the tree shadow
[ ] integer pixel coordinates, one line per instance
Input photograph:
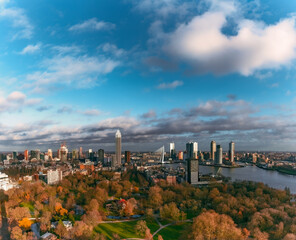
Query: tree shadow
(4, 228)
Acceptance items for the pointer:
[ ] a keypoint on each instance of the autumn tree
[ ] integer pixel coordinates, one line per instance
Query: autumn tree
(211, 225)
(141, 228)
(17, 234)
(170, 212)
(61, 230)
(154, 197)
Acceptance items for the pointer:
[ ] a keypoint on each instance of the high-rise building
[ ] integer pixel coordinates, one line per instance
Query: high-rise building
(75, 154)
(180, 155)
(192, 171)
(26, 154)
(80, 153)
(231, 151)
(63, 152)
(101, 155)
(191, 149)
(127, 156)
(213, 150)
(219, 155)
(35, 154)
(14, 155)
(172, 150)
(49, 154)
(118, 149)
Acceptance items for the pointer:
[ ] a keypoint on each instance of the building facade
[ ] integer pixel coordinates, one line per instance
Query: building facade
(117, 149)
(231, 151)
(213, 150)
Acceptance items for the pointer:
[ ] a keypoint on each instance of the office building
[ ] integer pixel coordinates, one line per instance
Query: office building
(172, 150)
(101, 155)
(127, 156)
(192, 171)
(231, 152)
(49, 154)
(35, 154)
(180, 155)
(26, 155)
(191, 149)
(219, 155)
(213, 150)
(117, 149)
(63, 152)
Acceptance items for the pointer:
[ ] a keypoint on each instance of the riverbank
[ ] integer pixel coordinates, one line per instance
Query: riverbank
(280, 169)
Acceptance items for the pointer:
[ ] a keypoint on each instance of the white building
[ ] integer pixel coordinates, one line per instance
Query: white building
(54, 177)
(5, 183)
(172, 149)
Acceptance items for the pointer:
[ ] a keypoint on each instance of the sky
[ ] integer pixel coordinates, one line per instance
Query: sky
(159, 70)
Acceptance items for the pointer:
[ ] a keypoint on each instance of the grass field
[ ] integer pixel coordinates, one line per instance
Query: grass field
(124, 229)
(174, 232)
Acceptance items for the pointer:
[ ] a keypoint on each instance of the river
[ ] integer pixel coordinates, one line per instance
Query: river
(273, 179)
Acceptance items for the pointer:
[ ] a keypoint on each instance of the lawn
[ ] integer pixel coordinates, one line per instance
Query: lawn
(174, 232)
(124, 229)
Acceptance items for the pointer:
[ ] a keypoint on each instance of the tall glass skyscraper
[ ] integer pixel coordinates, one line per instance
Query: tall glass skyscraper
(118, 149)
(231, 151)
(213, 150)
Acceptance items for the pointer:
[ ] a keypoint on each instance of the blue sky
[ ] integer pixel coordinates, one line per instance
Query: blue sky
(159, 70)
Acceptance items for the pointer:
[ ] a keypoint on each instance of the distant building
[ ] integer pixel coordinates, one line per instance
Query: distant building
(26, 154)
(101, 155)
(49, 154)
(172, 180)
(117, 149)
(231, 151)
(5, 183)
(54, 176)
(213, 150)
(181, 155)
(35, 154)
(127, 156)
(80, 153)
(75, 154)
(219, 155)
(192, 149)
(63, 152)
(192, 171)
(172, 150)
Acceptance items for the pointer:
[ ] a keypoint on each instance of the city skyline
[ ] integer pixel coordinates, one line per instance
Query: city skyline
(76, 72)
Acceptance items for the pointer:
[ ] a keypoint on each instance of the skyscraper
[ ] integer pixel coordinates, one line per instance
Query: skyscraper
(127, 156)
(118, 149)
(26, 154)
(191, 149)
(101, 155)
(219, 155)
(172, 150)
(192, 171)
(49, 154)
(63, 152)
(213, 149)
(231, 151)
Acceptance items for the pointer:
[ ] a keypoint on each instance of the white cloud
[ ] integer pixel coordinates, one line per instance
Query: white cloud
(31, 49)
(163, 8)
(92, 25)
(92, 112)
(67, 49)
(112, 49)
(19, 21)
(171, 85)
(17, 101)
(79, 72)
(256, 46)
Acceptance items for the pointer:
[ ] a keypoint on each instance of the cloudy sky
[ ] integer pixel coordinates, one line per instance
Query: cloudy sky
(158, 70)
